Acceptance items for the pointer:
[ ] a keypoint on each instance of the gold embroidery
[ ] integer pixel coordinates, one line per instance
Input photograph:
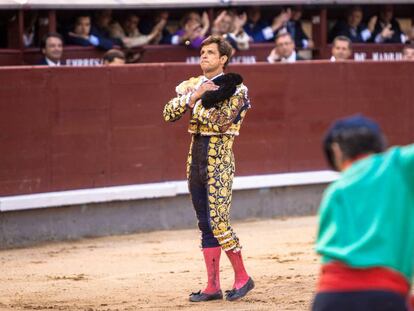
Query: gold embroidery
(221, 125)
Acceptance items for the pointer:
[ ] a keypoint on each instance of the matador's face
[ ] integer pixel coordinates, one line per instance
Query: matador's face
(210, 59)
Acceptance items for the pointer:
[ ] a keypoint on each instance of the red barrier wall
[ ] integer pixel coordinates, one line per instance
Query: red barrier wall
(69, 128)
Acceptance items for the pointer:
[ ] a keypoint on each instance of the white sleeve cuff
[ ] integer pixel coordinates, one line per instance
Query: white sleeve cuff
(268, 33)
(305, 43)
(175, 40)
(365, 34)
(379, 38)
(93, 40)
(270, 59)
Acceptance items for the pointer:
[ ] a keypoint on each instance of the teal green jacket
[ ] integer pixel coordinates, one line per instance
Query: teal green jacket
(366, 217)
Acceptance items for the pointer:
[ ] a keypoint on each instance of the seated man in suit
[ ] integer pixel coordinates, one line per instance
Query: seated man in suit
(52, 49)
(284, 51)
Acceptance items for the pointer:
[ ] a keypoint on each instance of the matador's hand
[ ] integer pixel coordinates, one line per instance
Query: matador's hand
(206, 86)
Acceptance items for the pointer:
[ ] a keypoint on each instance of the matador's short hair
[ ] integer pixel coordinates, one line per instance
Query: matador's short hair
(223, 46)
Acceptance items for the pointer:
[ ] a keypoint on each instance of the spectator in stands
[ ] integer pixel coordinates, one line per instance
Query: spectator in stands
(102, 27)
(83, 35)
(164, 36)
(284, 51)
(408, 52)
(193, 30)
(387, 29)
(29, 32)
(130, 34)
(341, 49)
(52, 49)
(287, 21)
(410, 34)
(229, 25)
(114, 57)
(294, 26)
(259, 30)
(353, 28)
(5, 17)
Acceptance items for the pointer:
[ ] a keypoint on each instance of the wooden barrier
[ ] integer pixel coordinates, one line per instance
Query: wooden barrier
(73, 128)
(90, 56)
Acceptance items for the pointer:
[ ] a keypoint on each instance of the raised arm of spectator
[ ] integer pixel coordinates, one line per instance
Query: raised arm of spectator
(215, 29)
(238, 34)
(268, 32)
(141, 39)
(205, 20)
(273, 56)
(366, 34)
(88, 40)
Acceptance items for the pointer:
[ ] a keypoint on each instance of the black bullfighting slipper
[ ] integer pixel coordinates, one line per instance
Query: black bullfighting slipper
(199, 296)
(235, 294)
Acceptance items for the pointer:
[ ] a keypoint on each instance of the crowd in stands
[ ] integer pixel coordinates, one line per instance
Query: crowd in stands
(239, 27)
(381, 28)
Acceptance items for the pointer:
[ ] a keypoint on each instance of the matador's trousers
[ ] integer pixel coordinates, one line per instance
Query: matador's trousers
(210, 171)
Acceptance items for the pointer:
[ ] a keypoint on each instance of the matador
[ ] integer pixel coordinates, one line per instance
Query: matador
(217, 103)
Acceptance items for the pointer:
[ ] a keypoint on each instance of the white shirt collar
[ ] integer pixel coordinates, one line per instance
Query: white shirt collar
(52, 63)
(205, 78)
(290, 59)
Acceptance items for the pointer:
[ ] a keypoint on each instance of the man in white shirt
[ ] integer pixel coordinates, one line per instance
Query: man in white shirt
(284, 51)
(52, 49)
(341, 49)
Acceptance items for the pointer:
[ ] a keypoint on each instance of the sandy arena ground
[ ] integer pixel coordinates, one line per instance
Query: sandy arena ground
(157, 271)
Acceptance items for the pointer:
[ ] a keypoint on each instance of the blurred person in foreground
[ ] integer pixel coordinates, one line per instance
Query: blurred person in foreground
(366, 221)
(341, 49)
(52, 49)
(113, 58)
(408, 52)
(284, 51)
(217, 104)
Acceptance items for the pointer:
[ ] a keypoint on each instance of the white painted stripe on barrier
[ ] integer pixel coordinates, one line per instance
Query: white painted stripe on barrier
(154, 190)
